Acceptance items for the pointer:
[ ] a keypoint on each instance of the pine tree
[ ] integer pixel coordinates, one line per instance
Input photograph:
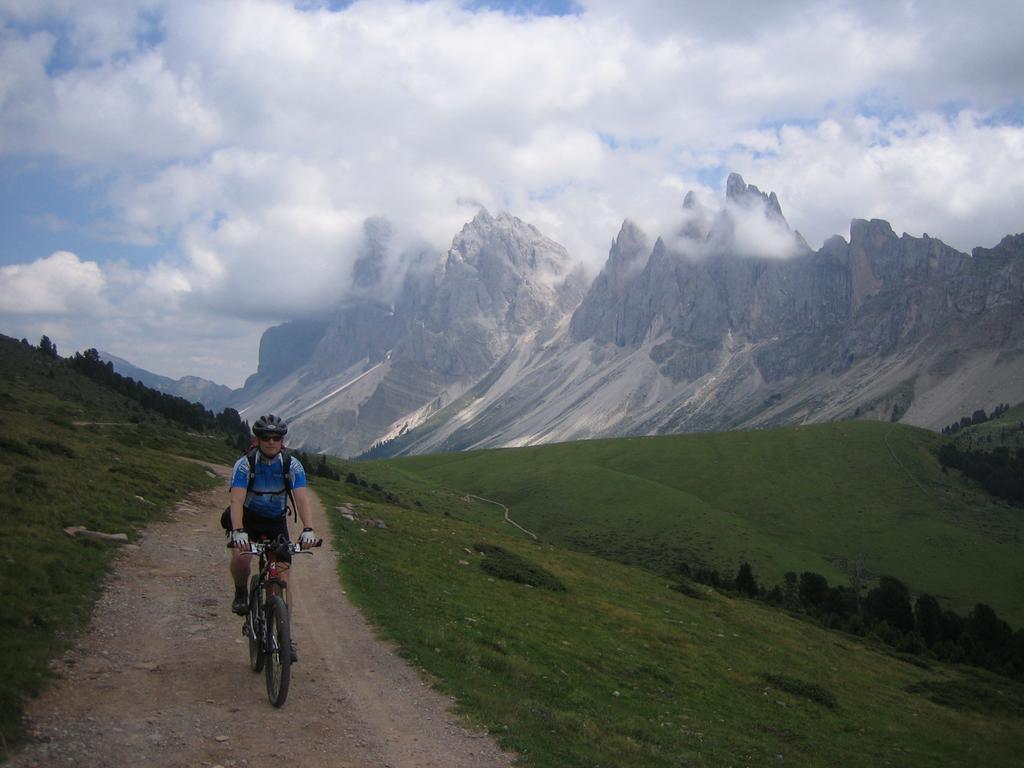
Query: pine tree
(47, 347)
(746, 584)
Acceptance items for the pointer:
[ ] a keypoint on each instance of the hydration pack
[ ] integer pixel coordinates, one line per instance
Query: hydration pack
(286, 466)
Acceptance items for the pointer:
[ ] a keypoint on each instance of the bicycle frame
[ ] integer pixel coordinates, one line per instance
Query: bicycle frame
(270, 566)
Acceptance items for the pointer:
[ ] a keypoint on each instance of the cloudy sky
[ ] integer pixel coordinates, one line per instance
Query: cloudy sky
(177, 175)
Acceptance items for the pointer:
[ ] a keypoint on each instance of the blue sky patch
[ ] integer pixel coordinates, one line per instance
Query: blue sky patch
(44, 208)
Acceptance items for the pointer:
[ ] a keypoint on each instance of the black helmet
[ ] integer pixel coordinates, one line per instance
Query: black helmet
(270, 425)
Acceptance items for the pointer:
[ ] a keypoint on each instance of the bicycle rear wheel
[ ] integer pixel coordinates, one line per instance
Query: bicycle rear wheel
(256, 625)
(279, 654)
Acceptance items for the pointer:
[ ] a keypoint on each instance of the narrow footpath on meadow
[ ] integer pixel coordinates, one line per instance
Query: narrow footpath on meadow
(508, 518)
(161, 676)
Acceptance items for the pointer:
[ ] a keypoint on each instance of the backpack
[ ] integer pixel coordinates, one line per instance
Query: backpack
(286, 464)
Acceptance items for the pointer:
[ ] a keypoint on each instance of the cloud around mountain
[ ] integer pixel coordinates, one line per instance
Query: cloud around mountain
(229, 147)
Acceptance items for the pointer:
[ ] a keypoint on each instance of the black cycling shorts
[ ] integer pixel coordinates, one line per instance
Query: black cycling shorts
(258, 526)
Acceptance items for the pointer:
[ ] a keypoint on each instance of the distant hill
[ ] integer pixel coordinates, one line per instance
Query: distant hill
(214, 396)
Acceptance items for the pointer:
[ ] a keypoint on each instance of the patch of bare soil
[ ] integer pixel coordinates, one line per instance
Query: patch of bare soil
(162, 677)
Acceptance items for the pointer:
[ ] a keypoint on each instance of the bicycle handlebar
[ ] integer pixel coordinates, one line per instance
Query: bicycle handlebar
(255, 547)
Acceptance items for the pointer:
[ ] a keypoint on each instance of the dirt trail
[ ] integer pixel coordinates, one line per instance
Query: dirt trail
(161, 677)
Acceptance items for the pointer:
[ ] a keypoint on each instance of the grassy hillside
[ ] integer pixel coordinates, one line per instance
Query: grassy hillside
(74, 454)
(785, 500)
(617, 669)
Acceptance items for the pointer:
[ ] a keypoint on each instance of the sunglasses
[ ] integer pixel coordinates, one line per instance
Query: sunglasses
(272, 438)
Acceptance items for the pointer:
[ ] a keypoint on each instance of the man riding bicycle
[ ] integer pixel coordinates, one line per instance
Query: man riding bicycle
(259, 505)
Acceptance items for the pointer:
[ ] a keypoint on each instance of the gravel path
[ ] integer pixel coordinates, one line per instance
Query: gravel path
(161, 677)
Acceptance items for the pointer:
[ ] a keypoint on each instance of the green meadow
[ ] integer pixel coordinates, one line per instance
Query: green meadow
(797, 499)
(604, 664)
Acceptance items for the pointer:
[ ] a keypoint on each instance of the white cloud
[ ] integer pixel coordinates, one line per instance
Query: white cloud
(959, 179)
(246, 142)
(56, 285)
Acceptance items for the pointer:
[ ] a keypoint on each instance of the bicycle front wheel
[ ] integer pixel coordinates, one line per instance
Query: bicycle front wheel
(279, 653)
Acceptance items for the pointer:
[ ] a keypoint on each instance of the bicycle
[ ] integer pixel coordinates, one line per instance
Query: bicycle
(267, 624)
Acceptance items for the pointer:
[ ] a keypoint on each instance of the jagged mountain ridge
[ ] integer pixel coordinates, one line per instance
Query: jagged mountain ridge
(379, 366)
(499, 344)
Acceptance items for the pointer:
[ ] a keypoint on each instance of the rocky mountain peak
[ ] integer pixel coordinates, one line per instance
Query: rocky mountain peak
(627, 251)
(501, 279)
(752, 225)
(505, 247)
(695, 219)
(740, 193)
(735, 187)
(626, 258)
(873, 232)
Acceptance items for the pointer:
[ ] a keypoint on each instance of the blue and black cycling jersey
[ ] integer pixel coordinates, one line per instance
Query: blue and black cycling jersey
(267, 497)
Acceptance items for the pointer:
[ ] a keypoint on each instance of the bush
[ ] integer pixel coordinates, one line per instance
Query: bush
(15, 446)
(685, 588)
(58, 449)
(509, 566)
(970, 696)
(810, 691)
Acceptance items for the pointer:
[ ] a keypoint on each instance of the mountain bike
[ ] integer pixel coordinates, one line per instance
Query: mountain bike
(267, 624)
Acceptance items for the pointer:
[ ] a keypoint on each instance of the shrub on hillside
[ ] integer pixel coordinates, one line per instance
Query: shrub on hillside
(509, 566)
(810, 691)
(971, 696)
(686, 588)
(52, 446)
(16, 446)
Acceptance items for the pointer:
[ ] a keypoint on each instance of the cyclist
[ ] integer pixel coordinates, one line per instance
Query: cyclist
(261, 509)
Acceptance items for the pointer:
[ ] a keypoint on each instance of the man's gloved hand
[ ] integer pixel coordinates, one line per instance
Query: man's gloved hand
(240, 540)
(307, 538)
